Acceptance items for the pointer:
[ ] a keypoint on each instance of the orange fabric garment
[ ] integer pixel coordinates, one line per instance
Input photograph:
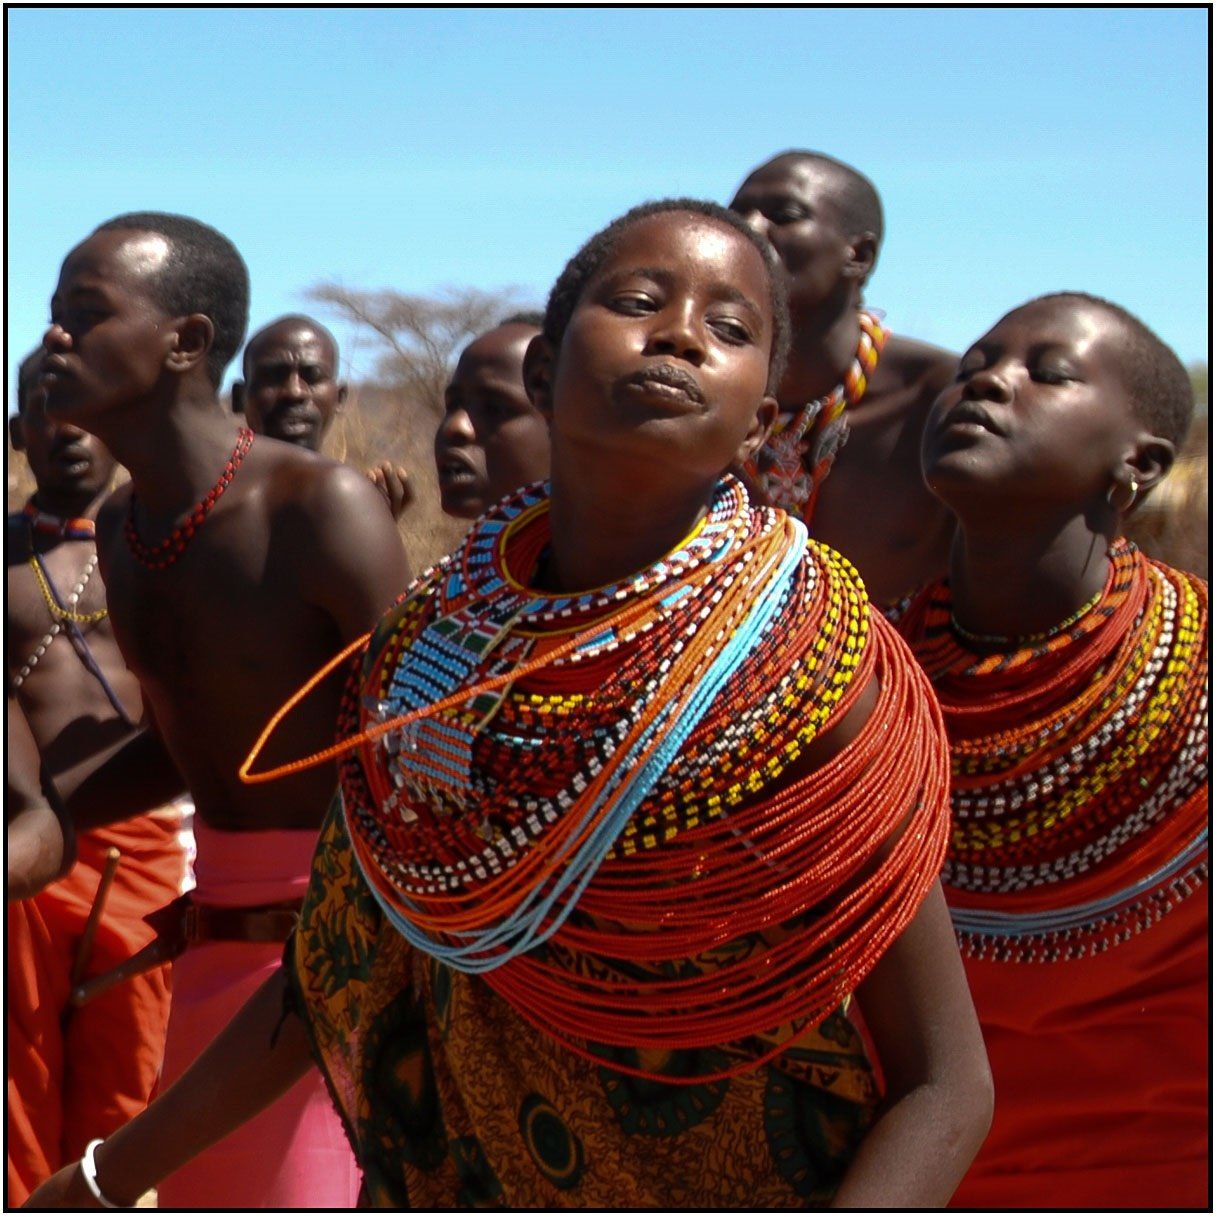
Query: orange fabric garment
(73, 1077)
(1100, 1070)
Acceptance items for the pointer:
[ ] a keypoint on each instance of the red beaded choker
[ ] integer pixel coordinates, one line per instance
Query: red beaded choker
(168, 551)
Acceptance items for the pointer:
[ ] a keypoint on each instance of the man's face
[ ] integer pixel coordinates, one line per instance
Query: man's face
(1038, 413)
(666, 356)
(65, 461)
(491, 439)
(108, 340)
(793, 204)
(291, 389)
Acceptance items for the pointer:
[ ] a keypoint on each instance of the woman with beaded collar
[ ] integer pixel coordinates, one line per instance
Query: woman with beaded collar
(609, 866)
(1072, 673)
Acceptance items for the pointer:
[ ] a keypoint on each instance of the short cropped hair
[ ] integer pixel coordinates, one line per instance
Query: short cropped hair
(204, 273)
(1157, 380)
(533, 317)
(27, 372)
(297, 320)
(580, 270)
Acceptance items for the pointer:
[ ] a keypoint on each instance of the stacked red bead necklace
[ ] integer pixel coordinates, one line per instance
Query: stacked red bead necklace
(168, 551)
(1079, 764)
(751, 909)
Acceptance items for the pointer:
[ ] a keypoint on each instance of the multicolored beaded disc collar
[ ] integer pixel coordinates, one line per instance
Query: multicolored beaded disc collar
(165, 553)
(800, 450)
(1079, 763)
(606, 783)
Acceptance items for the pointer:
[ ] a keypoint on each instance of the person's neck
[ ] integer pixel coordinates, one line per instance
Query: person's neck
(68, 504)
(1014, 577)
(822, 347)
(174, 450)
(605, 528)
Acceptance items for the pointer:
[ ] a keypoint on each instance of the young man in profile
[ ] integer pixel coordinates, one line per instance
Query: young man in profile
(234, 567)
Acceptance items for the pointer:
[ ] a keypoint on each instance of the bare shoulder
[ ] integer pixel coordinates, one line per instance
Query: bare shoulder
(305, 490)
(920, 361)
(329, 508)
(336, 527)
(915, 372)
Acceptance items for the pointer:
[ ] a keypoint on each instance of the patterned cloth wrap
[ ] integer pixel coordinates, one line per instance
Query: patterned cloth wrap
(450, 1094)
(450, 1099)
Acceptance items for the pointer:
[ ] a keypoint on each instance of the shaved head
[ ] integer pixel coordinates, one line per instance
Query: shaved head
(1157, 381)
(27, 375)
(289, 326)
(857, 200)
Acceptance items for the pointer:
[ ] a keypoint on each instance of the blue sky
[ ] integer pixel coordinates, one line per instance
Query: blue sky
(1017, 151)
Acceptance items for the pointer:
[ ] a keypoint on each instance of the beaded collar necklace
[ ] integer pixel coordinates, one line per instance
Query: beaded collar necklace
(75, 528)
(1003, 642)
(793, 464)
(538, 784)
(1079, 765)
(165, 553)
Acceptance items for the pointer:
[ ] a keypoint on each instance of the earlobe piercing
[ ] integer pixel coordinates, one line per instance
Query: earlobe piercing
(1130, 492)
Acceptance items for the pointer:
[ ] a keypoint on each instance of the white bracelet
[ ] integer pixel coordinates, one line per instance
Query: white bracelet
(88, 1169)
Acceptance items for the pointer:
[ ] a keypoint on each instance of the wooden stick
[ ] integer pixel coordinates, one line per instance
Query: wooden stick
(153, 955)
(85, 950)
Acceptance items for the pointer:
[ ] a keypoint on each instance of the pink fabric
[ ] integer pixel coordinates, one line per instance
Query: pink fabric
(294, 1154)
(239, 869)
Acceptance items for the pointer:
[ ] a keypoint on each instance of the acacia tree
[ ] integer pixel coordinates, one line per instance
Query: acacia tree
(417, 338)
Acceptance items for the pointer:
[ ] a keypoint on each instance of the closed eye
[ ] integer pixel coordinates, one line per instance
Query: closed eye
(731, 330)
(632, 303)
(1052, 376)
(788, 213)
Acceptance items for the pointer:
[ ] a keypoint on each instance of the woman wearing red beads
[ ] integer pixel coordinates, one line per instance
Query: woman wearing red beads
(1073, 676)
(609, 866)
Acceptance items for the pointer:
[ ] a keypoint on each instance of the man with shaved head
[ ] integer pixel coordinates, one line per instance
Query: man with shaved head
(291, 392)
(291, 389)
(848, 377)
(235, 566)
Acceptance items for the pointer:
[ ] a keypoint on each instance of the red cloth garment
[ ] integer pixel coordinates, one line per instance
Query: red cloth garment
(73, 1076)
(1077, 879)
(1100, 1069)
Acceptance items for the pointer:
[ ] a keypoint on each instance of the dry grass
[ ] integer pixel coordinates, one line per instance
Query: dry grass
(1173, 525)
(378, 424)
